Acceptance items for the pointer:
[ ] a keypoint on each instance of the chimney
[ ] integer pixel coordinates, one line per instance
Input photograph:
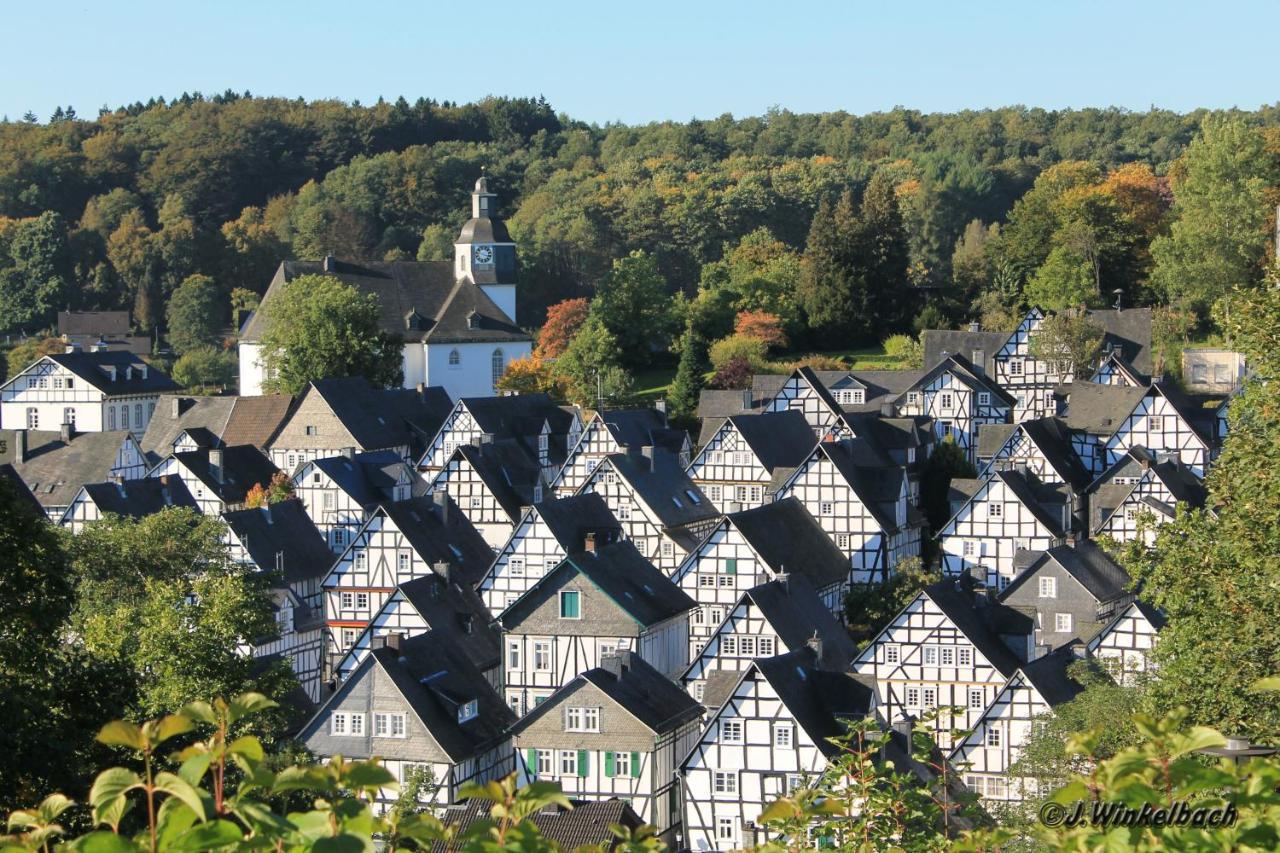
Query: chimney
(395, 642)
(905, 726)
(441, 499)
(330, 263)
(67, 433)
(215, 464)
(783, 580)
(19, 446)
(589, 542)
(613, 664)
(111, 372)
(660, 406)
(975, 326)
(422, 388)
(746, 399)
(349, 452)
(118, 480)
(886, 410)
(815, 643)
(144, 371)
(175, 407)
(443, 570)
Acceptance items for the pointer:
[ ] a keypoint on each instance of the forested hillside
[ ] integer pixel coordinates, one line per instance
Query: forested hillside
(1016, 204)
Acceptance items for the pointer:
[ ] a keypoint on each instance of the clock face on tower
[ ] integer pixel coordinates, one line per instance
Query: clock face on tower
(484, 255)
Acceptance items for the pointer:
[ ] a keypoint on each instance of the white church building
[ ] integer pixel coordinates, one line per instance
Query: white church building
(457, 321)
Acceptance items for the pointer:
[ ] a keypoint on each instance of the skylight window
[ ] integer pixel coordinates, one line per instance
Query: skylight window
(693, 499)
(675, 500)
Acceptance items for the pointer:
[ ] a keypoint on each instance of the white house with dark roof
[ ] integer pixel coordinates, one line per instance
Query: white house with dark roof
(1115, 370)
(750, 457)
(618, 431)
(534, 422)
(493, 486)
(959, 399)
(1139, 493)
(91, 391)
(619, 730)
(1164, 424)
(594, 603)
(55, 465)
(1046, 447)
(456, 319)
(547, 533)
(1124, 645)
(341, 492)
(755, 546)
(126, 498)
(230, 420)
(219, 478)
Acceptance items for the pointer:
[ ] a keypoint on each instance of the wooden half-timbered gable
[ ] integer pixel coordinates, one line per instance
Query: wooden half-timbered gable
(401, 541)
(755, 546)
(618, 730)
(773, 618)
(219, 478)
(660, 509)
(1162, 423)
(90, 391)
(618, 431)
(1072, 590)
(1138, 494)
(1007, 512)
(959, 399)
(593, 603)
(493, 485)
(750, 456)
(1113, 369)
(54, 465)
(546, 534)
(1027, 379)
(1043, 446)
(280, 541)
(341, 492)
(417, 703)
(861, 502)
(543, 429)
(984, 757)
(804, 392)
(1124, 645)
(432, 603)
(950, 647)
(767, 736)
(125, 498)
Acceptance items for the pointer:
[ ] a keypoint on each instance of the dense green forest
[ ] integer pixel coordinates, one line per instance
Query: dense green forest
(1010, 205)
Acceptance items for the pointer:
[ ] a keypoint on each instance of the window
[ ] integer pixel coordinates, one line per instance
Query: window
(757, 493)
(984, 398)
(892, 653)
(859, 396)
(477, 502)
(947, 656)
(568, 762)
(993, 736)
(913, 398)
(842, 541)
(947, 400)
(498, 364)
(930, 698)
(740, 494)
(388, 725)
(1048, 587)
(570, 604)
(1062, 622)
(542, 655)
(965, 656)
(582, 719)
(454, 358)
(783, 735)
(339, 724)
(765, 646)
(724, 782)
(706, 580)
(69, 416)
(621, 764)
(33, 418)
(913, 697)
(976, 698)
(327, 500)
(725, 581)
(545, 761)
(747, 647)
(930, 655)
(357, 725)
(731, 731)
(362, 560)
(339, 537)
(402, 561)
(715, 494)
(468, 710)
(726, 830)
(1015, 367)
(826, 508)
(995, 510)
(731, 566)
(729, 644)
(348, 600)
(124, 416)
(969, 548)
(624, 512)
(516, 564)
(1156, 423)
(349, 637)
(513, 654)
(1131, 513)
(668, 549)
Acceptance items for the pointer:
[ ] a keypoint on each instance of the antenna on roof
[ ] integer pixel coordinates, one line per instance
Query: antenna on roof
(1119, 292)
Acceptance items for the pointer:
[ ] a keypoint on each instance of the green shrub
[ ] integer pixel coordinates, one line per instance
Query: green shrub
(752, 350)
(905, 348)
(205, 366)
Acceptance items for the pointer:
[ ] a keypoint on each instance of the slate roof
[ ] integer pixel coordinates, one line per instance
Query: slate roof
(234, 420)
(1125, 368)
(721, 403)
(508, 470)
(981, 621)
(585, 825)
(55, 470)
(243, 467)
(623, 574)
(1102, 577)
(379, 418)
(881, 386)
(1128, 332)
(457, 614)
(570, 519)
(112, 323)
(778, 439)
(877, 487)
(657, 482)
(1048, 674)
(818, 700)
(938, 343)
(140, 498)
(965, 372)
(518, 415)
(1052, 437)
(796, 613)
(367, 477)
(435, 540)
(402, 288)
(1106, 495)
(633, 427)
(992, 437)
(93, 368)
(23, 496)
(788, 539)
(1036, 497)
(1098, 409)
(282, 536)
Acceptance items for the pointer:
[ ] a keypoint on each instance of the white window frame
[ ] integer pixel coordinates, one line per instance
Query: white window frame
(1048, 587)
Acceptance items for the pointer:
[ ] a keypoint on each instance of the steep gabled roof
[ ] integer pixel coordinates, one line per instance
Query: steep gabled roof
(453, 539)
(112, 323)
(665, 488)
(778, 439)
(633, 427)
(818, 700)
(586, 825)
(1095, 570)
(570, 519)
(94, 368)
(796, 613)
(54, 470)
(379, 418)
(243, 467)
(964, 372)
(164, 428)
(517, 415)
(1098, 409)
(1048, 674)
(257, 420)
(457, 615)
(992, 437)
(140, 498)
(877, 487)
(1127, 332)
(939, 343)
(367, 477)
(507, 469)
(981, 621)
(282, 536)
(623, 574)
(23, 494)
(1053, 438)
(1035, 497)
(1118, 363)
(788, 539)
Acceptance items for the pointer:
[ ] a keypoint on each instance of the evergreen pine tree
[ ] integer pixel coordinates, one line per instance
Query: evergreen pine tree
(684, 391)
(824, 290)
(886, 258)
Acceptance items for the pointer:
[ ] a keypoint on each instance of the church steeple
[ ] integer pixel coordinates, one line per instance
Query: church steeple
(484, 252)
(483, 202)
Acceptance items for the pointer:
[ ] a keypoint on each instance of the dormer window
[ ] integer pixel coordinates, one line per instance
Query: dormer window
(468, 710)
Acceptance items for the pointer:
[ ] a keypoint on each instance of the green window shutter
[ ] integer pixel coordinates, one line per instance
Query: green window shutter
(531, 758)
(731, 566)
(635, 765)
(608, 764)
(582, 762)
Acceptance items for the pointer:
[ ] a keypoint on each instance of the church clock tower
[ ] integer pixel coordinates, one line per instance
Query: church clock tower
(484, 252)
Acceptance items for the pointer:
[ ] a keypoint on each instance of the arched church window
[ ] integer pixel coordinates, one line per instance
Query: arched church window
(455, 358)
(499, 366)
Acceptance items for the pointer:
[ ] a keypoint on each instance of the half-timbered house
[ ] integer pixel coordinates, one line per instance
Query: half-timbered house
(400, 541)
(619, 730)
(232, 420)
(593, 603)
(125, 498)
(1113, 369)
(219, 478)
(493, 485)
(1165, 424)
(619, 431)
(995, 518)
(90, 391)
(546, 534)
(755, 546)
(54, 465)
(543, 429)
(771, 619)
(660, 509)
(958, 398)
(341, 492)
(417, 702)
(1138, 493)
(745, 462)
(951, 647)
(1124, 645)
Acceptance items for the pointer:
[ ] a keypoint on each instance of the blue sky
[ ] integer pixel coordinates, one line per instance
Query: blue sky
(649, 60)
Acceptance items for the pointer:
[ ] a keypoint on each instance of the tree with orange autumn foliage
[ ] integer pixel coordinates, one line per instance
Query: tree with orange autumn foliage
(762, 326)
(279, 489)
(564, 319)
(531, 375)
